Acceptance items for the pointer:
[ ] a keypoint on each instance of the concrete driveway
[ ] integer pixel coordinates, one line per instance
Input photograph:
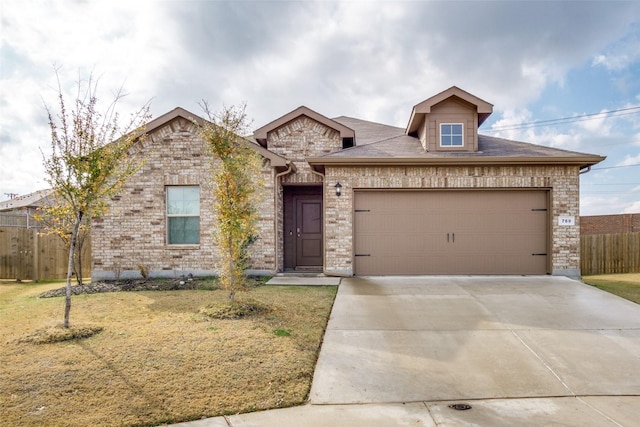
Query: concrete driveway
(440, 339)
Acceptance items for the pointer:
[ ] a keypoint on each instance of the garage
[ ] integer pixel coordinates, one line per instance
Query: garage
(404, 232)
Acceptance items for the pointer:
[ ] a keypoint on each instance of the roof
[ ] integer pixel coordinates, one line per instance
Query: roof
(276, 160)
(35, 199)
(407, 150)
(261, 134)
(483, 108)
(369, 132)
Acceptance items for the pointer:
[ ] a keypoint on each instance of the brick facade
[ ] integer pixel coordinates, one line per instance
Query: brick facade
(133, 233)
(610, 224)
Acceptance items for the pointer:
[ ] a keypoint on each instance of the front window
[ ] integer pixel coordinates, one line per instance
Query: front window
(451, 135)
(183, 215)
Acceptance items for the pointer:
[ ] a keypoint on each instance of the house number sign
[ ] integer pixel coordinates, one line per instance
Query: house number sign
(566, 220)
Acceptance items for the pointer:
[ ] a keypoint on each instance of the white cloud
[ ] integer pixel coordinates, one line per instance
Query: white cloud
(622, 53)
(634, 207)
(629, 160)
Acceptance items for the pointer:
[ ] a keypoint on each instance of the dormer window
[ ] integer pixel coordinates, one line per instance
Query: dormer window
(451, 135)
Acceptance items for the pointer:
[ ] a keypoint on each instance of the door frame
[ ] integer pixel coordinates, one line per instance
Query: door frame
(291, 195)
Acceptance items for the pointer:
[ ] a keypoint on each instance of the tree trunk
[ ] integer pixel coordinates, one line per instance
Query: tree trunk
(72, 249)
(78, 268)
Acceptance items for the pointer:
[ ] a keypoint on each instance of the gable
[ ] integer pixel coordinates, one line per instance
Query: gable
(181, 123)
(483, 108)
(262, 134)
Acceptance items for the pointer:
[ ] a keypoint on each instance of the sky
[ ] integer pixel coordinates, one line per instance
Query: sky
(536, 62)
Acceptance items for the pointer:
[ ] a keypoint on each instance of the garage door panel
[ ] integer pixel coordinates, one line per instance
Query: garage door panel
(451, 232)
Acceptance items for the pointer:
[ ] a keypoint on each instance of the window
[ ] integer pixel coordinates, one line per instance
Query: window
(451, 135)
(183, 215)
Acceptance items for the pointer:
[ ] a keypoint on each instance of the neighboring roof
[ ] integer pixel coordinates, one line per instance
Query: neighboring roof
(483, 108)
(369, 132)
(407, 150)
(260, 134)
(276, 160)
(35, 199)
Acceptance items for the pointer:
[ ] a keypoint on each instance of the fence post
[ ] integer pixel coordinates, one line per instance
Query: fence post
(36, 256)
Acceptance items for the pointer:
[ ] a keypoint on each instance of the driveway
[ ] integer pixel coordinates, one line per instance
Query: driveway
(432, 339)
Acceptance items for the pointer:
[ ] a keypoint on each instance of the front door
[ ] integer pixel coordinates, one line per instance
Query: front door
(303, 248)
(308, 232)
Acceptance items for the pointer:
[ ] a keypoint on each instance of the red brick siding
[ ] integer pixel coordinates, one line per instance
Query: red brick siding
(609, 224)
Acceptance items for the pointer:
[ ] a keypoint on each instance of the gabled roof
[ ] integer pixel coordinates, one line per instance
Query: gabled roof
(276, 160)
(35, 199)
(260, 134)
(483, 108)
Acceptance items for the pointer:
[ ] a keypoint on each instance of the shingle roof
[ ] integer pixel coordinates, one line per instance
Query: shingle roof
(369, 132)
(382, 144)
(35, 199)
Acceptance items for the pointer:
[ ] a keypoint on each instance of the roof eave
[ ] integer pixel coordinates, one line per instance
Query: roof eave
(582, 161)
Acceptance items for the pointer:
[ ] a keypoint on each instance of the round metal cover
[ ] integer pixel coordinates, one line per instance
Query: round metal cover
(460, 406)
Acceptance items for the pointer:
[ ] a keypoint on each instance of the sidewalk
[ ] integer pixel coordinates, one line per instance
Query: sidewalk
(602, 411)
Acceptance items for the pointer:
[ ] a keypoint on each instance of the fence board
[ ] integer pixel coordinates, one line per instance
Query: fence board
(27, 255)
(610, 253)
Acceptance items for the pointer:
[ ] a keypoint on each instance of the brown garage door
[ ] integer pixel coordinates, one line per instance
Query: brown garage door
(450, 232)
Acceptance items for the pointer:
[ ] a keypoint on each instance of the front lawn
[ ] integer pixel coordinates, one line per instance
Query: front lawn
(157, 360)
(624, 285)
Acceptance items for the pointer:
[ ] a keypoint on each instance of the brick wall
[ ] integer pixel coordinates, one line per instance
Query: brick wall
(609, 224)
(134, 231)
(562, 181)
(299, 139)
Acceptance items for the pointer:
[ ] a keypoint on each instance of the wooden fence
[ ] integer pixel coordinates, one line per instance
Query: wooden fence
(610, 253)
(27, 255)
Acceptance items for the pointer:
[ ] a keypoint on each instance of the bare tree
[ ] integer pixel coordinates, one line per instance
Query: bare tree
(91, 157)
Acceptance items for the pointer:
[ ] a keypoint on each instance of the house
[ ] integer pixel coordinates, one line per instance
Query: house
(610, 224)
(347, 197)
(18, 211)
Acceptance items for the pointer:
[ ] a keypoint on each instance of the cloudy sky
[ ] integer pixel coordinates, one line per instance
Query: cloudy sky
(534, 61)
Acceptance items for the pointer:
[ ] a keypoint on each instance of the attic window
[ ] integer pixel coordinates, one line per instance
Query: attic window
(347, 142)
(451, 135)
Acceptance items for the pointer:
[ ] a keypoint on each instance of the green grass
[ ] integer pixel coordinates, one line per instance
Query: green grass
(624, 285)
(157, 359)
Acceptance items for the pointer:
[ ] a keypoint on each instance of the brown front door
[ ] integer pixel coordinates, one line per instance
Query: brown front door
(308, 232)
(303, 247)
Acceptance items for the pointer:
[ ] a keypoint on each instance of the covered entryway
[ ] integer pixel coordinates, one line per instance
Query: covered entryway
(303, 249)
(451, 232)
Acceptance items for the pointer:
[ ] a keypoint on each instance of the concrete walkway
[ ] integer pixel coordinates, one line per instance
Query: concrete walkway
(519, 350)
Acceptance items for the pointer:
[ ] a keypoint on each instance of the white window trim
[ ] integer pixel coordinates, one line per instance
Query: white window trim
(168, 215)
(462, 135)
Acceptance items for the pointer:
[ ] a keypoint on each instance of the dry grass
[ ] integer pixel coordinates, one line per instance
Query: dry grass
(158, 360)
(624, 285)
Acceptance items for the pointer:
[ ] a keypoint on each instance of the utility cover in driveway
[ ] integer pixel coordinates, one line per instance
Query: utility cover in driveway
(451, 232)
